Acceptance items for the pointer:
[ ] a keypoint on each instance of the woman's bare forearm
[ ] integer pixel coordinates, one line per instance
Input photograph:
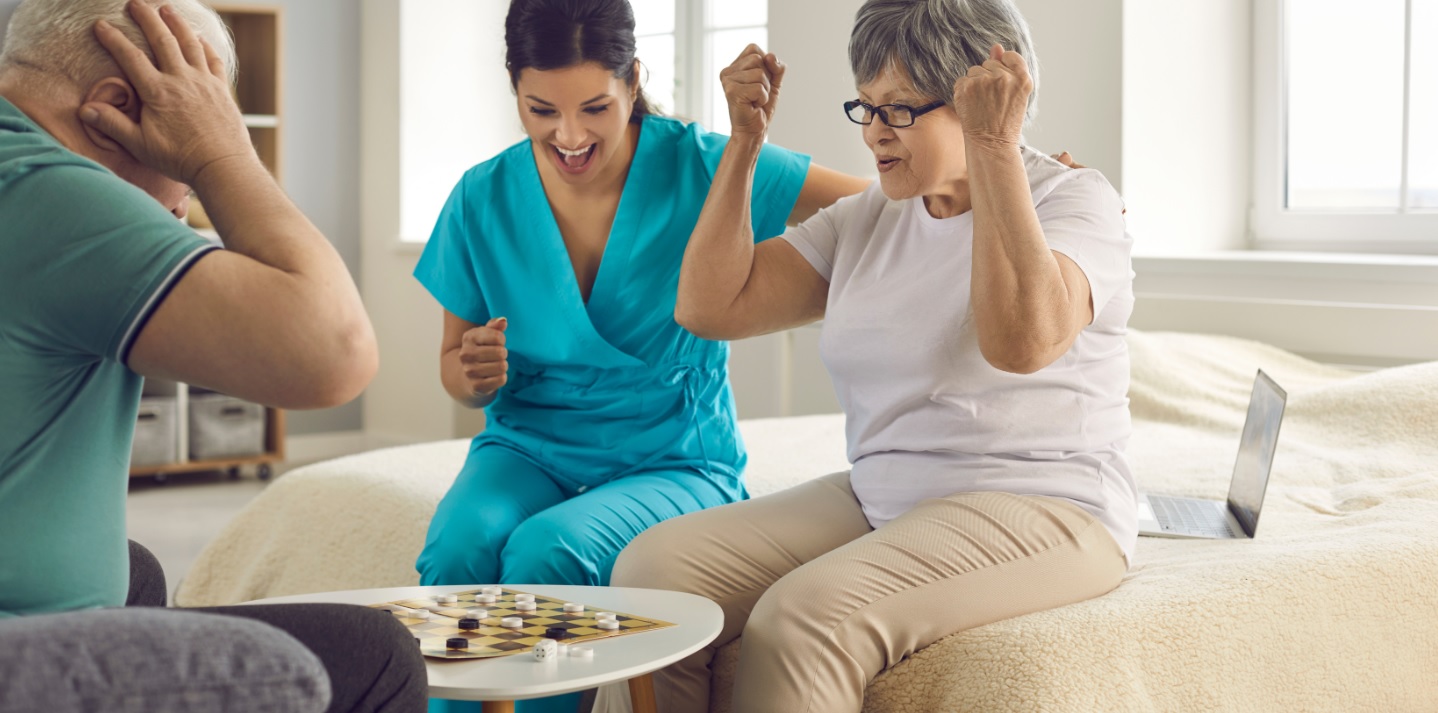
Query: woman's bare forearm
(1020, 301)
(451, 375)
(720, 255)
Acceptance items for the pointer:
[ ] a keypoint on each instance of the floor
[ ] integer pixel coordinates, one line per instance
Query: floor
(178, 518)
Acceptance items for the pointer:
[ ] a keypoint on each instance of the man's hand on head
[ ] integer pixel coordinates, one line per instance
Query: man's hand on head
(188, 119)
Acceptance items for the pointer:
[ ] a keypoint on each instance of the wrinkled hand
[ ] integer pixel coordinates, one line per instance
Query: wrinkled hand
(484, 358)
(188, 118)
(993, 97)
(751, 85)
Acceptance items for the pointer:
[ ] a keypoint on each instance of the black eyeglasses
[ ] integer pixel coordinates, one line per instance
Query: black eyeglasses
(897, 116)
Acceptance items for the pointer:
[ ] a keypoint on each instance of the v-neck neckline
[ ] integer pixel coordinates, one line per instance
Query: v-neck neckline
(618, 245)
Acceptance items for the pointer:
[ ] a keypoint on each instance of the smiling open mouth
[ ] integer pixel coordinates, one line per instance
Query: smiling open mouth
(575, 160)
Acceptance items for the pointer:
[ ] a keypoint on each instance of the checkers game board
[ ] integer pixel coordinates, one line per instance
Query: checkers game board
(491, 639)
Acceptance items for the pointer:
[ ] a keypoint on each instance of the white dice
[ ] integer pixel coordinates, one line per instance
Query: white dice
(546, 650)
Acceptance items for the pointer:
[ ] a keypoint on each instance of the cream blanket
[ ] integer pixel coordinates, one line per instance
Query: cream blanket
(1333, 607)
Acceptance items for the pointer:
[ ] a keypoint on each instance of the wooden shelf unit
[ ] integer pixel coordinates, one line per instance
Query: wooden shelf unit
(258, 33)
(258, 90)
(264, 462)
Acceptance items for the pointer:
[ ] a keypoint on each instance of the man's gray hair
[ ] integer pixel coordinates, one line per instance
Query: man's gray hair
(936, 41)
(58, 36)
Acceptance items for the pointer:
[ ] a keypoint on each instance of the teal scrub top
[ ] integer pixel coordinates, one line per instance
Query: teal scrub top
(611, 387)
(85, 258)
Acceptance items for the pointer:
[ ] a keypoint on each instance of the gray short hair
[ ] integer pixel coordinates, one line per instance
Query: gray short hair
(936, 41)
(59, 36)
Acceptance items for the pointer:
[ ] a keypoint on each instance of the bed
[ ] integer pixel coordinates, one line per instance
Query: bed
(1333, 607)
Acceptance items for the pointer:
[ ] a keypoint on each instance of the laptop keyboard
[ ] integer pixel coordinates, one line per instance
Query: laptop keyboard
(1189, 516)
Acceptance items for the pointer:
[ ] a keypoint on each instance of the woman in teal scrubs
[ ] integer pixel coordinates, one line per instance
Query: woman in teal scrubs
(557, 264)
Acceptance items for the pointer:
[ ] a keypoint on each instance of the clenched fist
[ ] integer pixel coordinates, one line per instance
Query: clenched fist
(992, 99)
(751, 84)
(484, 358)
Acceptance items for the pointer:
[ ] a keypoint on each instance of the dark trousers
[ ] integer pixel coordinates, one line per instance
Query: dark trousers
(372, 660)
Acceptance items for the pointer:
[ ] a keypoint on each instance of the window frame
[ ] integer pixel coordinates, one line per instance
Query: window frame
(1410, 231)
(693, 69)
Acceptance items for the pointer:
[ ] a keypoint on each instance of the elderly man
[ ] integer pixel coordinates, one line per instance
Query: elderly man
(109, 115)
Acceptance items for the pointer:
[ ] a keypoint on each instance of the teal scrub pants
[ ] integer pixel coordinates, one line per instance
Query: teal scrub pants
(506, 520)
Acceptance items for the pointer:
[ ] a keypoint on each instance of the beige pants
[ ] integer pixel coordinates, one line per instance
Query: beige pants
(825, 603)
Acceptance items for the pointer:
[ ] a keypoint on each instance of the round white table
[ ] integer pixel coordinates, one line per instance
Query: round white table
(499, 682)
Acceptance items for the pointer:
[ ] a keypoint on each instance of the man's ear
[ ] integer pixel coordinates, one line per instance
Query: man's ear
(117, 93)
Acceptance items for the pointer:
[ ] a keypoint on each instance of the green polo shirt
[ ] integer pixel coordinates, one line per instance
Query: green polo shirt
(85, 258)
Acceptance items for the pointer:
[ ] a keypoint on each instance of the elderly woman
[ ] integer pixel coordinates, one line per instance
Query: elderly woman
(974, 305)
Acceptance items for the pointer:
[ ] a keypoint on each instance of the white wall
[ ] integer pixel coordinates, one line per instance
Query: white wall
(455, 104)
(812, 37)
(406, 401)
(780, 374)
(1187, 108)
(1081, 50)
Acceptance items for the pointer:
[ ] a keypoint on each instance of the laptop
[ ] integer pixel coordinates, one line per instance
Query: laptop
(1237, 518)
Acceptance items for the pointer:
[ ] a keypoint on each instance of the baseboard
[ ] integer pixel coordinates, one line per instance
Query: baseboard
(313, 447)
(376, 440)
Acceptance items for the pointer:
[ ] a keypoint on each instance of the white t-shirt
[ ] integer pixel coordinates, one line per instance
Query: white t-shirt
(927, 416)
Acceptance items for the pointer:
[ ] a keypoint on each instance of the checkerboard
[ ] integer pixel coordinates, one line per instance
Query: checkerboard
(491, 639)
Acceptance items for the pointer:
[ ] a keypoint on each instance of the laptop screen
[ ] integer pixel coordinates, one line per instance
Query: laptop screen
(1255, 451)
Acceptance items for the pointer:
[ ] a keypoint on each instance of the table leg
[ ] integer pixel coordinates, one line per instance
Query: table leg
(641, 694)
(499, 707)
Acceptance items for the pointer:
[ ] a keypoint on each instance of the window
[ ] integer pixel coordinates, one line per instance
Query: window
(684, 44)
(1346, 132)
(455, 105)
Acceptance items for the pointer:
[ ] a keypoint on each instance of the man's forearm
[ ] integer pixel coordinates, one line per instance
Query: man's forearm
(256, 219)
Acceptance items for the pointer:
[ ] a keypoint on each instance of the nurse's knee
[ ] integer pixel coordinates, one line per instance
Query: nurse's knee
(462, 548)
(547, 550)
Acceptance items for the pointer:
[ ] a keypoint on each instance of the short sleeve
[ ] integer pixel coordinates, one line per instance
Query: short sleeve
(778, 178)
(817, 238)
(1082, 218)
(91, 258)
(447, 268)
